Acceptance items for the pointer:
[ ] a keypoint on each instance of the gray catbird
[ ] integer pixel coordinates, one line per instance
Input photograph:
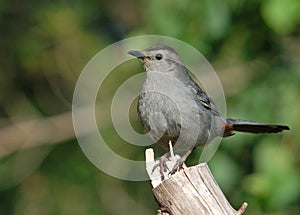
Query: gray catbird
(172, 107)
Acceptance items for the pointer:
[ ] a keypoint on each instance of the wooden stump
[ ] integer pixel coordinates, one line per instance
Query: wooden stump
(190, 191)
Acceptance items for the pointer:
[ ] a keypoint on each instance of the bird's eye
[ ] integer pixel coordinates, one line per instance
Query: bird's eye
(158, 56)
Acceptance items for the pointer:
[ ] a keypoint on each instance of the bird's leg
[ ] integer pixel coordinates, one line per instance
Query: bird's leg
(163, 167)
(181, 161)
(170, 157)
(162, 163)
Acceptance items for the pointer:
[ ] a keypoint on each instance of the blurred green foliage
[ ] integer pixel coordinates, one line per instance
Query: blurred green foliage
(254, 46)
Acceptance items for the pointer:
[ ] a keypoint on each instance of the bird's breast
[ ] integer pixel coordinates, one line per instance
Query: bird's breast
(165, 105)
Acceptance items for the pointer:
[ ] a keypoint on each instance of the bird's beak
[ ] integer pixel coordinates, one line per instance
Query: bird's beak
(137, 54)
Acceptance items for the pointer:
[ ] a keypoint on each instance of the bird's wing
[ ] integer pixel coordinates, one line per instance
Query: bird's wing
(203, 99)
(208, 104)
(199, 95)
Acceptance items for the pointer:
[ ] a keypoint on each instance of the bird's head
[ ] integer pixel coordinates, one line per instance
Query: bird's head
(159, 58)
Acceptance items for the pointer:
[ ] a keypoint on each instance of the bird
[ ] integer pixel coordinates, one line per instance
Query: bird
(173, 107)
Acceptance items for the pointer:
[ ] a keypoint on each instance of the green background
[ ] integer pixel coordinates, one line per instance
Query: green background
(254, 46)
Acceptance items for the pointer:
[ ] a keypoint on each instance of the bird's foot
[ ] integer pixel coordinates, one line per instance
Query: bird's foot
(178, 166)
(180, 162)
(162, 165)
(168, 165)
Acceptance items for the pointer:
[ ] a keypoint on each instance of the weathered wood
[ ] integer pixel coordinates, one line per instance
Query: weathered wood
(192, 190)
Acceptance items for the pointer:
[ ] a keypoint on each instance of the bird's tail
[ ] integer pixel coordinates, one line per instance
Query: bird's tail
(251, 127)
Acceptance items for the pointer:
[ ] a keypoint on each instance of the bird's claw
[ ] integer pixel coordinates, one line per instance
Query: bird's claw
(178, 166)
(165, 169)
(162, 164)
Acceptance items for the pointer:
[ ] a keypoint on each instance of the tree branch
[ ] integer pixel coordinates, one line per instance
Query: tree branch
(192, 190)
